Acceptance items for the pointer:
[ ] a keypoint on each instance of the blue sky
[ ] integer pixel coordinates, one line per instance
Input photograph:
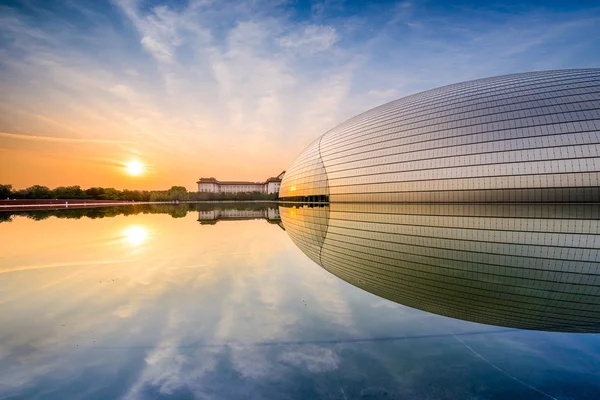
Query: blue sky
(236, 89)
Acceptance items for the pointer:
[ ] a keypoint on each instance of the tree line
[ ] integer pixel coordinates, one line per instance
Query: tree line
(175, 211)
(175, 193)
(38, 192)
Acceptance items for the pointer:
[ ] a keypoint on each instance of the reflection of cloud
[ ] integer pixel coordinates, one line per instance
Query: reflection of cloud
(82, 264)
(165, 367)
(313, 358)
(386, 304)
(125, 311)
(153, 308)
(168, 322)
(254, 362)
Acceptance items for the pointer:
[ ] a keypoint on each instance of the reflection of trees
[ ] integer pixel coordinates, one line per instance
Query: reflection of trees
(174, 210)
(71, 213)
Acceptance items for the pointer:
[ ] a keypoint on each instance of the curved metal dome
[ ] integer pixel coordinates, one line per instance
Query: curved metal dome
(531, 137)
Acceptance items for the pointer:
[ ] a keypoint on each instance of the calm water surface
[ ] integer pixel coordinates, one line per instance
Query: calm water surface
(204, 303)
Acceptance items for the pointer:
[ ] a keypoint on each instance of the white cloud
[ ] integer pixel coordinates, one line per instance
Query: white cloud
(311, 39)
(255, 77)
(239, 83)
(160, 50)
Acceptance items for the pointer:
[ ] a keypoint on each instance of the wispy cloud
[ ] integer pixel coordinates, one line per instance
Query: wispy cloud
(203, 87)
(17, 136)
(313, 38)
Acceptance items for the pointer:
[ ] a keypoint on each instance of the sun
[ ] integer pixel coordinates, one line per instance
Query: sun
(135, 235)
(134, 168)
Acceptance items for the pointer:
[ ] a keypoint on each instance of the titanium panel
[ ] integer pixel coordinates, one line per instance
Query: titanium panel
(531, 137)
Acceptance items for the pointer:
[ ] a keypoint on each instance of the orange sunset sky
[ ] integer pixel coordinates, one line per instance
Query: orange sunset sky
(234, 90)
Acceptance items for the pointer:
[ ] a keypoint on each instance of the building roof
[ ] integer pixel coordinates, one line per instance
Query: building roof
(213, 180)
(240, 183)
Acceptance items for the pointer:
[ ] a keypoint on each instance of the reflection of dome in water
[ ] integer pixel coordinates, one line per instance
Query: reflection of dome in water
(532, 137)
(522, 266)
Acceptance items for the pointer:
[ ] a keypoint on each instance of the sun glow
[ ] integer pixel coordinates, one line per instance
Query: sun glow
(134, 168)
(135, 235)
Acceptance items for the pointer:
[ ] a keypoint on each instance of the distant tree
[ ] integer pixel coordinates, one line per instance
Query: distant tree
(69, 192)
(94, 193)
(39, 192)
(177, 193)
(19, 194)
(5, 191)
(158, 195)
(110, 194)
(131, 195)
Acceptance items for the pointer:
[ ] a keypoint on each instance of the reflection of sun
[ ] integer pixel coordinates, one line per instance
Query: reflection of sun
(134, 168)
(135, 235)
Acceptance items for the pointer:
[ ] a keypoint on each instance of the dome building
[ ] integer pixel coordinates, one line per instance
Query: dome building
(530, 137)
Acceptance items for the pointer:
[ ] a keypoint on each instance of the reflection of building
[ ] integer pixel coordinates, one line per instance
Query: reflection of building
(532, 137)
(212, 185)
(529, 266)
(213, 216)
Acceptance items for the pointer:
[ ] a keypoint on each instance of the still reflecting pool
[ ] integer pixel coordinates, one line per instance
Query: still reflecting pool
(203, 301)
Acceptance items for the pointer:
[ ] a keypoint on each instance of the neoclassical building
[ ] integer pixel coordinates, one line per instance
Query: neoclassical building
(522, 138)
(212, 185)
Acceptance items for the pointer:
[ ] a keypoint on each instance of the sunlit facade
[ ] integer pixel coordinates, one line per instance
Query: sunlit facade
(212, 185)
(531, 137)
(528, 266)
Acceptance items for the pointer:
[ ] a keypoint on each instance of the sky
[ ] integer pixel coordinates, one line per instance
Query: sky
(237, 89)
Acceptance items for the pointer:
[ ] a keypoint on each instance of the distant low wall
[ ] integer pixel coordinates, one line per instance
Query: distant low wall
(27, 204)
(60, 201)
